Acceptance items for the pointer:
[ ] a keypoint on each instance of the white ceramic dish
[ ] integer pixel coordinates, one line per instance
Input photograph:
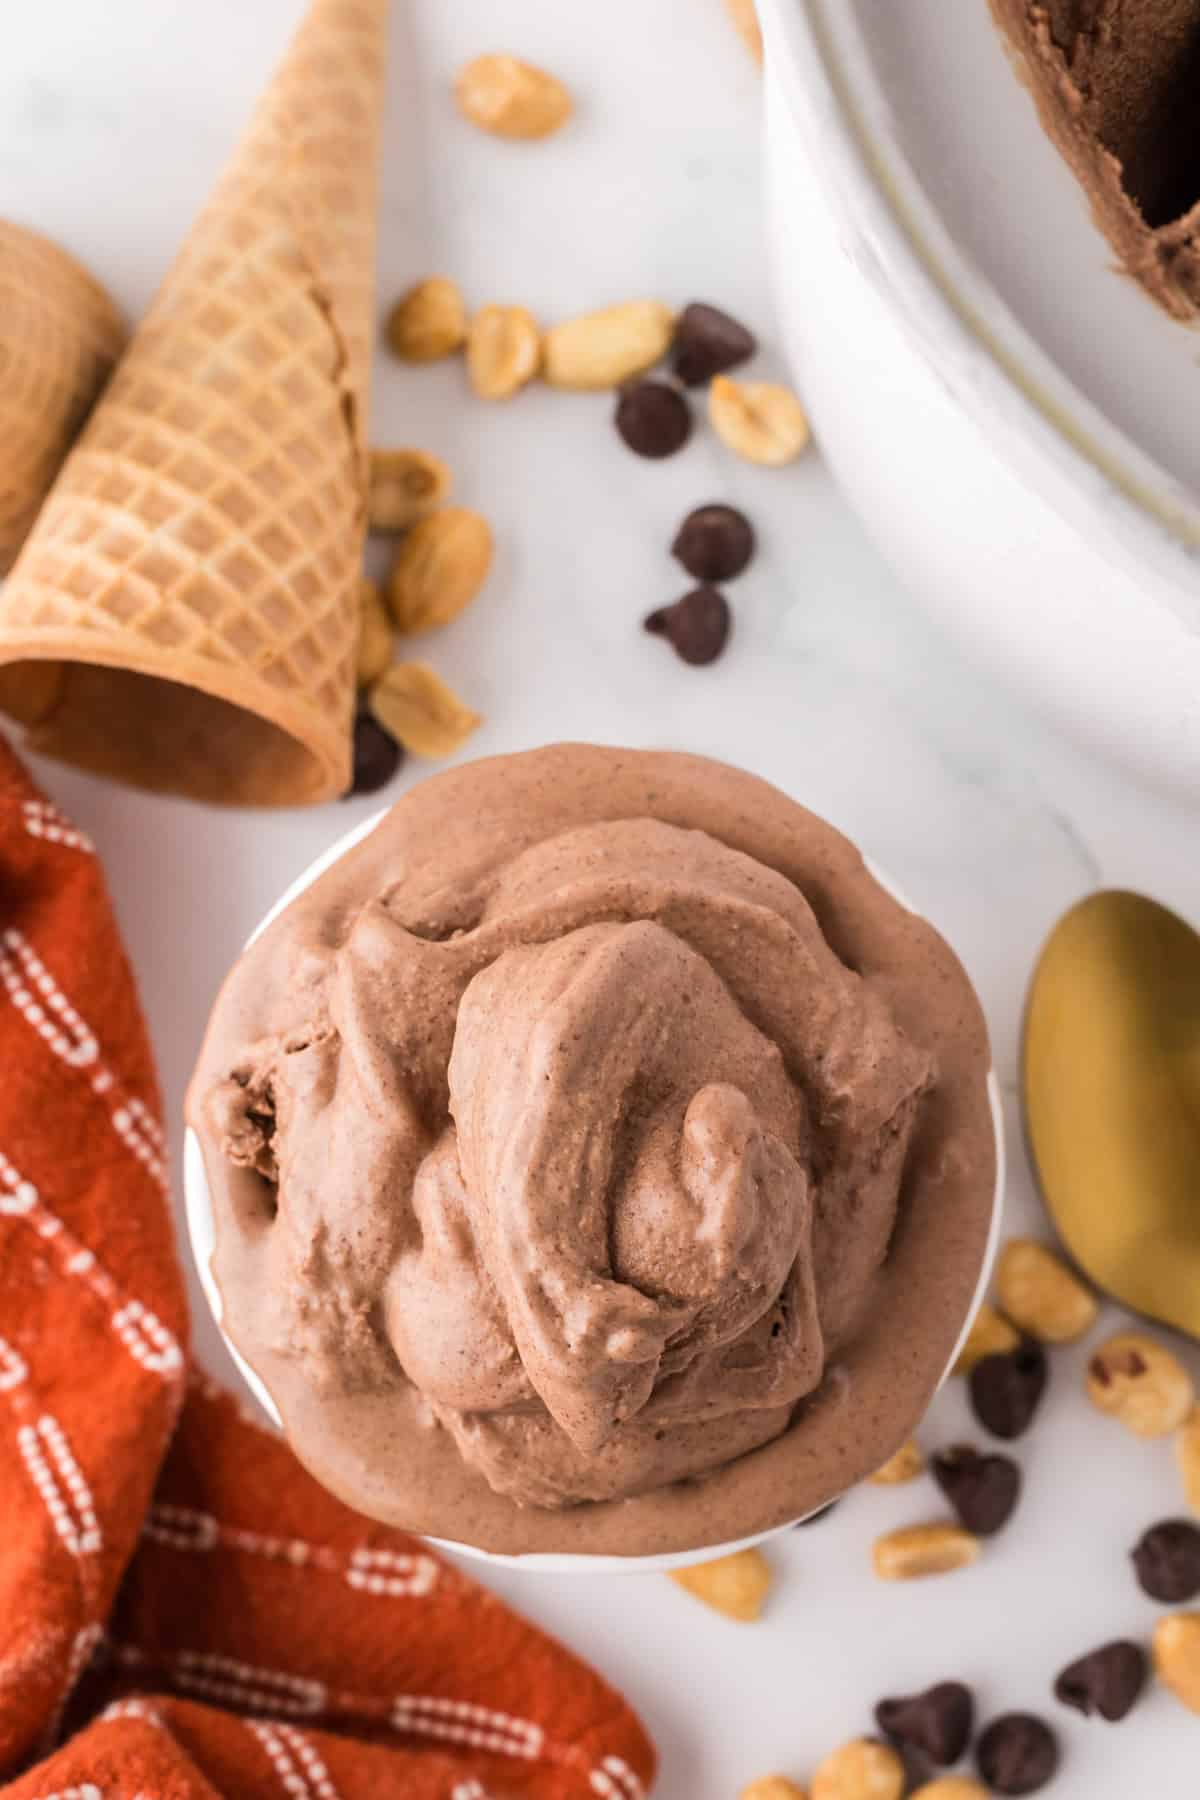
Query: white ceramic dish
(198, 1206)
(1014, 419)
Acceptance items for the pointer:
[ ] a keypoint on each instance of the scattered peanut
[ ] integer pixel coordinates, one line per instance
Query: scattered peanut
(951, 1787)
(405, 485)
(440, 567)
(990, 1335)
(917, 1550)
(744, 14)
(1140, 1382)
(1177, 1656)
(1187, 1450)
(863, 1770)
(428, 322)
(772, 1787)
(421, 712)
(504, 351)
(906, 1465)
(735, 1585)
(758, 420)
(603, 349)
(1041, 1295)
(511, 98)
(375, 638)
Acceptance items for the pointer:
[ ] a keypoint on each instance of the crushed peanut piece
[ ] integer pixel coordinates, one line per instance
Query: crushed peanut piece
(1139, 1381)
(952, 1787)
(439, 569)
(511, 98)
(744, 14)
(428, 322)
(603, 349)
(918, 1550)
(421, 712)
(735, 1585)
(990, 1335)
(1041, 1295)
(772, 1787)
(1177, 1656)
(1187, 1451)
(404, 486)
(862, 1770)
(759, 420)
(376, 640)
(504, 351)
(905, 1465)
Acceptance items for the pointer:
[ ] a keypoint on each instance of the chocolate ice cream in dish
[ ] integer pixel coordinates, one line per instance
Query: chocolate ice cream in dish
(601, 1160)
(1117, 83)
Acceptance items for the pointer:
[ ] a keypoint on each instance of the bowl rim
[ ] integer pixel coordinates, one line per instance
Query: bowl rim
(202, 1236)
(821, 78)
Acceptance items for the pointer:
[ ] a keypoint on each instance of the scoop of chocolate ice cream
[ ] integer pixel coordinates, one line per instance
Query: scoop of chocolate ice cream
(1116, 83)
(561, 1137)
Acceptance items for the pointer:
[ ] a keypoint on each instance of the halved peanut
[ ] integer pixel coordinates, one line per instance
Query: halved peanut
(772, 1787)
(990, 1335)
(735, 1585)
(603, 349)
(1177, 1656)
(439, 569)
(905, 1465)
(504, 351)
(759, 420)
(1139, 1381)
(1040, 1294)
(918, 1550)
(428, 322)
(420, 711)
(511, 98)
(404, 486)
(862, 1770)
(376, 640)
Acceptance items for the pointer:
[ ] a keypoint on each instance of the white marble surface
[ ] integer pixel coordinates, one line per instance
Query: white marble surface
(113, 120)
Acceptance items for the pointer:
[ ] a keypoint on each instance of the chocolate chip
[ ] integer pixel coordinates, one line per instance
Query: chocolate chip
(1006, 1389)
(377, 756)
(822, 1513)
(937, 1722)
(714, 543)
(654, 419)
(1017, 1754)
(983, 1490)
(1107, 1681)
(697, 626)
(708, 342)
(1166, 1561)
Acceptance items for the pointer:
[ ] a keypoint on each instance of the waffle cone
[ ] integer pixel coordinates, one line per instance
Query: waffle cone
(60, 336)
(184, 614)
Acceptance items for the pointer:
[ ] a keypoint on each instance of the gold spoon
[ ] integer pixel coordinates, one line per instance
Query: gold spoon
(1111, 1086)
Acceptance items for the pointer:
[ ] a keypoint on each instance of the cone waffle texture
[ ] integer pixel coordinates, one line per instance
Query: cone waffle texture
(60, 336)
(193, 578)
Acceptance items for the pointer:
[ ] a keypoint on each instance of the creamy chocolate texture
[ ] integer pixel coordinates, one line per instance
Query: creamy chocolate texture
(1117, 83)
(601, 1159)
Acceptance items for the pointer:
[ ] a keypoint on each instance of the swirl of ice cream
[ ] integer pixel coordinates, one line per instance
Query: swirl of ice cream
(567, 1122)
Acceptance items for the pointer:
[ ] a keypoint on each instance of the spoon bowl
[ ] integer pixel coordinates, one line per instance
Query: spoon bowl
(1111, 1093)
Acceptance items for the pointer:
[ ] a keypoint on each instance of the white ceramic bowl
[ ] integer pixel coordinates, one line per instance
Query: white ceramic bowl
(198, 1206)
(1012, 417)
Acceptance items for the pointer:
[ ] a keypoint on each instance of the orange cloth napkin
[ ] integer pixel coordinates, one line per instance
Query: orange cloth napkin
(183, 1611)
